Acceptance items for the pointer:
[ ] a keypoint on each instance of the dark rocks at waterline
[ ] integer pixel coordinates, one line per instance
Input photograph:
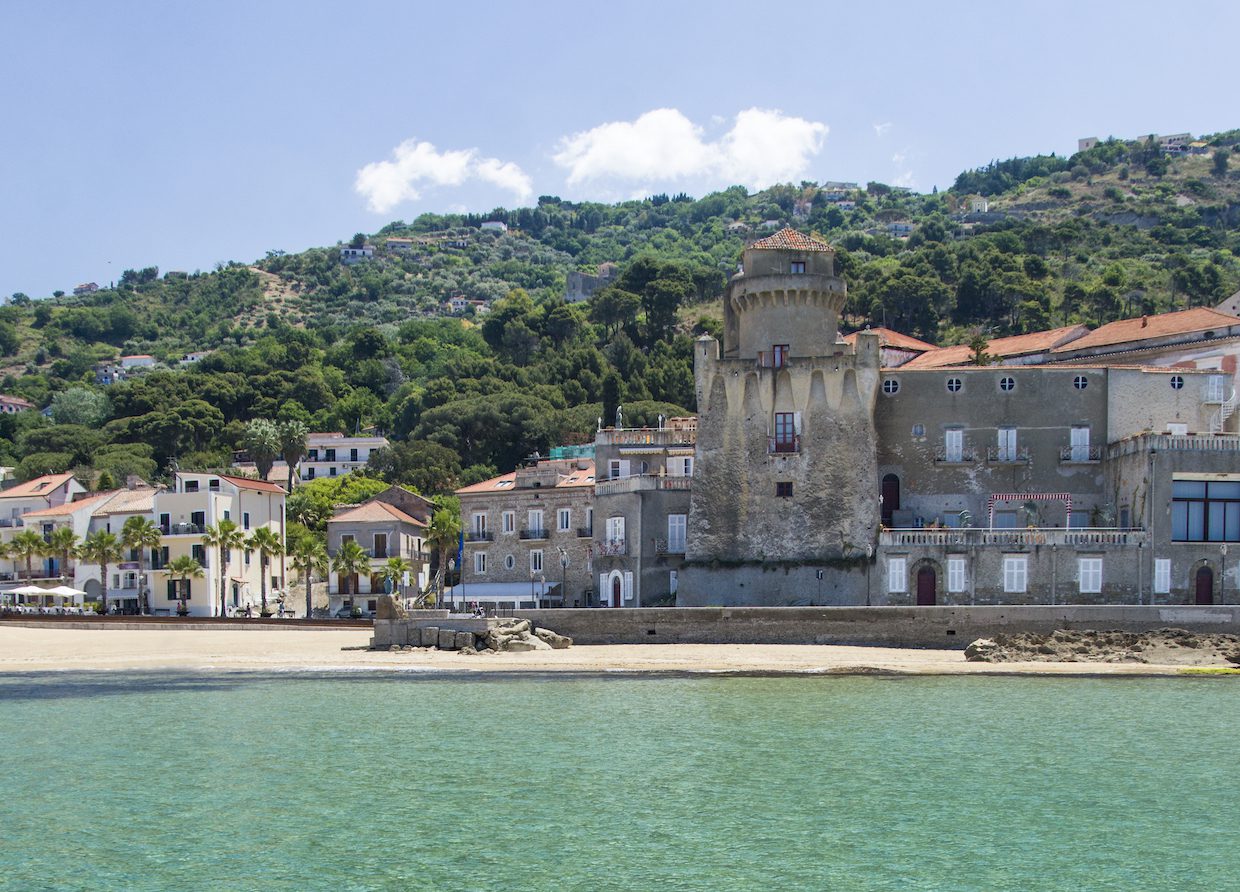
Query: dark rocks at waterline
(1160, 646)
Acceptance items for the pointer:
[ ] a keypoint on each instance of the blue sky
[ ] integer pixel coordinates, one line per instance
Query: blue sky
(180, 135)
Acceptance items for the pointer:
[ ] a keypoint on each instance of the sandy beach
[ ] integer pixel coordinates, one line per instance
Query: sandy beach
(26, 649)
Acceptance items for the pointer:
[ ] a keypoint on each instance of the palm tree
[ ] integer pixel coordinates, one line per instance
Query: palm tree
(292, 437)
(262, 441)
(24, 546)
(63, 544)
(102, 548)
(267, 544)
(309, 559)
(224, 536)
(394, 571)
(442, 535)
(184, 568)
(140, 533)
(349, 561)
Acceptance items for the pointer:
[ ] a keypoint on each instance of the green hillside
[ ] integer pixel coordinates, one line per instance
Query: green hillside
(1114, 231)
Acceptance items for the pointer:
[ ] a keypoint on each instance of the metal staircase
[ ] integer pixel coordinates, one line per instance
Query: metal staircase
(1227, 408)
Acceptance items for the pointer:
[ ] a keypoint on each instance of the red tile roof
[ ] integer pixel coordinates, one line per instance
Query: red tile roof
(1000, 348)
(93, 502)
(570, 476)
(375, 511)
(889, 338)
(790, 240)
(39, 486)
(251, 483)
(1146, 328)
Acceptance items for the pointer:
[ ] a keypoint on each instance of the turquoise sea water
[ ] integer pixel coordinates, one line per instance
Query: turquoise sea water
(373, 781)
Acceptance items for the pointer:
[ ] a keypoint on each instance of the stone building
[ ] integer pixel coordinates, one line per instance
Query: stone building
(383, 531)
(786, 458)
(528, 537)
(641, 502)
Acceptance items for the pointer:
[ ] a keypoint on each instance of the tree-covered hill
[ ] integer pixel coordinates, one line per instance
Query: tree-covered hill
(1113, 231)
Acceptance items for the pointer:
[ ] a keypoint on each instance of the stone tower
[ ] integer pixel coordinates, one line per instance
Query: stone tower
(784, 506)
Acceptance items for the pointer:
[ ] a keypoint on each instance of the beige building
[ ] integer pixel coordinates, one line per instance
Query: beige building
(383, 531)
(528, 537)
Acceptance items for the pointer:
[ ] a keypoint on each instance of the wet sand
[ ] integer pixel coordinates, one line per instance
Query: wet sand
(26, 649)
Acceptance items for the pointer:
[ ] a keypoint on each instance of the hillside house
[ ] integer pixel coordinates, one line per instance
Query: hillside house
(399, 245)
(10, 405)
(494, 226)
(349, 255)
(383, 531)
(581, 286)
(85, 288)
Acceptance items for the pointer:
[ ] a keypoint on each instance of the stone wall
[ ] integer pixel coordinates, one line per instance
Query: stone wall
(952, 627)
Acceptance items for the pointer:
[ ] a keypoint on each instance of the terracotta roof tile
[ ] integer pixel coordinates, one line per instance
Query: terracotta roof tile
(134, 501)
(39, 486)
(790, 240)
(369, 512)
(889, 338)
(1000, 348)
(93, 502)
(570, 477)
(251, 483)
(1146, 328)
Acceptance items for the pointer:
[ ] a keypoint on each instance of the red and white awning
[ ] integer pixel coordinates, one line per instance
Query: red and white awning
(996, 497)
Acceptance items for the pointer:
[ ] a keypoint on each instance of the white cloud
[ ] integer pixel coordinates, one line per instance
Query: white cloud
(415, 165)
(762, 147)
(880, 130)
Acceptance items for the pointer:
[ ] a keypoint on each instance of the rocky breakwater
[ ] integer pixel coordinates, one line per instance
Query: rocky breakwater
(514, 636)
(1166, 647)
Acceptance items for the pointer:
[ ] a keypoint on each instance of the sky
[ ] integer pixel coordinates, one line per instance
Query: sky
(183, 135)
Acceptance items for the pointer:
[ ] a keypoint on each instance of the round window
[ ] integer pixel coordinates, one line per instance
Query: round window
(509, 562)
(1177, 381)
(891, 385)
(954, 385)
(1080, 382)
(1007, 384)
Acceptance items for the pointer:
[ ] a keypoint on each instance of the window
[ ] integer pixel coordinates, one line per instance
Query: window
(897, 576)
(509, 521)
(954, 385)
(1007, 384)
(352, 455)
(618, 469)
(1216, 389)
(680, 466)
(1080, 444)
(480, 561)
(198, 553)
(779, 355)
(1089, 574)
(478, 523)
(1162, 576)
(798, 267)
(1080, 382)
(1205, 511)
(191, 486)
(536, 560)
(329, 455)
(785, 432)
(227, 514)
(1177, 382)
(1007, 444)
(331, 472)
(615, 529)
(676, 526)
(312, 455)
(213, 484)
(1015, 573)
(535, 518)
(953, 444)
(310, 473)
(509, 562)
(245, 520)
(564, 519)
(891, 386)
(955, 575)
(380, 543)
(198, 518)
(783, 489)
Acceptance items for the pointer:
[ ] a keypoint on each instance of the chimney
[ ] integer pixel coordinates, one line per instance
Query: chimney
(1145, 321)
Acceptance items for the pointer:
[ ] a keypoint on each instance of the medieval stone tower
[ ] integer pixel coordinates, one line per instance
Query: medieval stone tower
(784, 506)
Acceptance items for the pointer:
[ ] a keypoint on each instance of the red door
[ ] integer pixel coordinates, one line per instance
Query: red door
(616, 592)
(1205, 586)
(925, 587)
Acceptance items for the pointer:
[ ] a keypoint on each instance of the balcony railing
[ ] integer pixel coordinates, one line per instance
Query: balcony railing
(997, 456)
(183, 529)
(641, 483)
(534, 534)
(1175, 443)
(783, 445)
(666, 546)
(1007, 538)
(479, 536)
(585, 532)
(964, 455)
(1080, 454)
(645, 436)
(612, 548)
(7, 522)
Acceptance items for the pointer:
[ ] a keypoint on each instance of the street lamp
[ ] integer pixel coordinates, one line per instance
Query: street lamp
(451, 570)
(563, 577)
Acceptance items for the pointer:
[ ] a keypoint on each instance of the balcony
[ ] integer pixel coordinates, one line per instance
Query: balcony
(183, 529)
(1081, 536)
(7, 522)
(783, 445)
(962, 456)
(534, 534)
(1175, 443)
(645, 436)
(666, 546)
(479, 536)
(641, 483)
(997, 456)
(612, 548)
(1080, 455)
(585, 532)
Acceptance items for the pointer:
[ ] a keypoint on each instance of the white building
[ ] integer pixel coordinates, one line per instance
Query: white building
(494, 226)
(334, 455)
(350, 256)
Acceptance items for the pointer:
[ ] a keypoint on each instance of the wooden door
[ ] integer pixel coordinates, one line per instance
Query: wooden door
(926, 580)
(617, 591)
(1205, 586)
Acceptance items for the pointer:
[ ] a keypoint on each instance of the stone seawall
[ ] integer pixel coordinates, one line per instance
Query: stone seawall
(952, 627)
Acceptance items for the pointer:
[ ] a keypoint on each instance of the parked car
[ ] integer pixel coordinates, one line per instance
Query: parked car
(348, 613)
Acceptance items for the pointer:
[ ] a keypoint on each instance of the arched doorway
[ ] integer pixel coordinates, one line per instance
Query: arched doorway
(617, 590)
(926, 582)
(891, 497)
(1204, 590)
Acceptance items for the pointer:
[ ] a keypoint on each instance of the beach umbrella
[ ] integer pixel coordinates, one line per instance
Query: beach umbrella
(65, 591)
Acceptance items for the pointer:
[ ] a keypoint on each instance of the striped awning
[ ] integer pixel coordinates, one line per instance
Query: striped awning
(997, 497)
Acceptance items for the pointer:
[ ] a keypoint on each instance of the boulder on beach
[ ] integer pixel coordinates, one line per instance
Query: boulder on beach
(557, 642)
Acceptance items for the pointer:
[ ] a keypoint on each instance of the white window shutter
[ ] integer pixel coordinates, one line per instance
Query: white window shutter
(628, 585)
(796, 423)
